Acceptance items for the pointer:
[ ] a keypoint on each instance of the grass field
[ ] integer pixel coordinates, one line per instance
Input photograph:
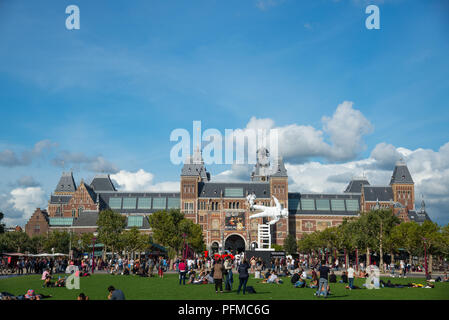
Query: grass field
(136, 288)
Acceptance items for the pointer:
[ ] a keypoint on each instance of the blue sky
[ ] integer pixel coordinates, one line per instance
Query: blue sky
(117, 87)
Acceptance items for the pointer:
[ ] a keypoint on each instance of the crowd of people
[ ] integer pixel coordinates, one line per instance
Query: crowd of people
(218, 270)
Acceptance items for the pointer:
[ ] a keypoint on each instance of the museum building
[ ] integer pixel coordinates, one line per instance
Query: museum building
(221, 208)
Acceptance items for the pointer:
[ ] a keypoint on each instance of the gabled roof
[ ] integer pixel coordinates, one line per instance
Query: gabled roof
(60, 199)
(66, 183)
(91, 192)
(355, 185)
(401, 174)
(102, 182)
(382, 194)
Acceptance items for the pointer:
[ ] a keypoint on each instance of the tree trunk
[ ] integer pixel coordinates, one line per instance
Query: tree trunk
(368, 258)
(410, 258)
(392, 257)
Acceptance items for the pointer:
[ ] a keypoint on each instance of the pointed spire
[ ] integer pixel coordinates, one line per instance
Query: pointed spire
(66, 184)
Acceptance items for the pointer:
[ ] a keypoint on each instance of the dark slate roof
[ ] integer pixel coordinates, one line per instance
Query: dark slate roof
(355, 185)
(60, 199)
(91, 192)
(418, 216)
(86, 219)
(292, 196)
(217, 189)
(102, 182)
(279, 169)
(66, 183)
(194, 170)
(382, 194)
(105, 196)
(401, 174)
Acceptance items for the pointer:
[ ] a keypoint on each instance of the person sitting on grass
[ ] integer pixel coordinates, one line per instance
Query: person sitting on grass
(60, 283)
(141, 272)
(115, 294)
(295, 277)
(126, 271)
(313, 284)
(267, 274)
(332, 278)
(301, 283)
(191, 276)
(201, 278)
(47, 282)
(82, 296)
(344, 277)
(31, 295)
(274, 278)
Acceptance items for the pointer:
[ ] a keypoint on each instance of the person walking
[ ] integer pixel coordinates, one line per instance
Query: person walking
(351, 272)
(243, 275)
(218, 275)
(229, 276)
(182, 272)
(323, 272)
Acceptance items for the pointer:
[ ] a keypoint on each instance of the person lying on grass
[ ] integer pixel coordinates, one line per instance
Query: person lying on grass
(273, 278)
(31, 295)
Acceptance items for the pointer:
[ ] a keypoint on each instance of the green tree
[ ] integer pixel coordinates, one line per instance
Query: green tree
(276, 247)
(110, 226)
(133, 241)
(37, 243)
(17, 241)
(169, 228)
(431, 238)
(406, 236)
(290, 244)
(58, 241)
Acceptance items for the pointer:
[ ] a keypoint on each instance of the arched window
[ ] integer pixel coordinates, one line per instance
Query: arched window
(80, 210)
(73, 213)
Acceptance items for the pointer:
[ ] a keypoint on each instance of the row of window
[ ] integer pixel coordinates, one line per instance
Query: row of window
(323, 204)
(144, 203)
(279, 188)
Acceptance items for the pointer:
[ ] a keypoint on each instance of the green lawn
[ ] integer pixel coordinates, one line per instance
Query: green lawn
(168, 289)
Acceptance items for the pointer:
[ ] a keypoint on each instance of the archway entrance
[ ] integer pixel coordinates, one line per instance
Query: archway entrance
(214, 247)
(235, 244)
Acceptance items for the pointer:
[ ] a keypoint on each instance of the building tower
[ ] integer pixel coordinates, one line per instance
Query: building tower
(193, 172)
(261, 170)
(279, 188)
(403, 186)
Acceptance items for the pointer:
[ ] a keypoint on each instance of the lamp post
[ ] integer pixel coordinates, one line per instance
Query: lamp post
(93, 251)
(425, 254)
(184, 255)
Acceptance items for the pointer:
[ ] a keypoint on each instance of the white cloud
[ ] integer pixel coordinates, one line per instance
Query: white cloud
(26, 200)
(237, 173)
(429, 170)
(142, 181)
(10, 158)
(90, 163)
(297, 143)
